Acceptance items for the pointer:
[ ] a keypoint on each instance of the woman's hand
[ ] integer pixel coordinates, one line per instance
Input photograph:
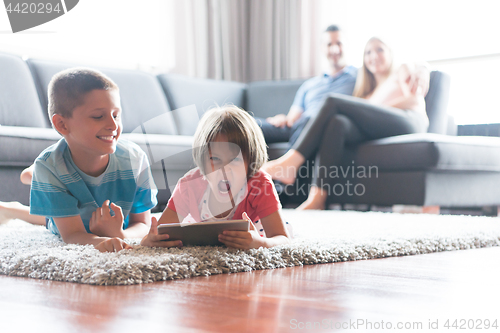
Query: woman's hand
(242, 239)
(414, 79)
(153, 239)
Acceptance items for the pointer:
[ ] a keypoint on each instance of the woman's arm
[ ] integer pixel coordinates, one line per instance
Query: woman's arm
(419, 77)
(413, 83)
(414, 79)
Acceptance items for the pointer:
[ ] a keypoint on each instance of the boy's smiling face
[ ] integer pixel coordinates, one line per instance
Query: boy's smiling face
(94, 128)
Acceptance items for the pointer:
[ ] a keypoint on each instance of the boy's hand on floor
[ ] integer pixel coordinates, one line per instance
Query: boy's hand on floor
(103, 224)
(112, 245)
(153, 239)
(242, 239)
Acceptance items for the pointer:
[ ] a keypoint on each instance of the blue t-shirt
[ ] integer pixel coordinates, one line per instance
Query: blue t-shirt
(60, 189)
(312, 93)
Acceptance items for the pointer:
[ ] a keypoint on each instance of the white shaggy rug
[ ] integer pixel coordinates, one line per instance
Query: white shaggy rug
(320, 237)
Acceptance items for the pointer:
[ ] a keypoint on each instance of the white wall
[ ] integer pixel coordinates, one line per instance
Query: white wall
(113, 33)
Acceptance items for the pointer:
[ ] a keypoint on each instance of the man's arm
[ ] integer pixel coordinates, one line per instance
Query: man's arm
(282, 120)
(293, 115)
(295, 111)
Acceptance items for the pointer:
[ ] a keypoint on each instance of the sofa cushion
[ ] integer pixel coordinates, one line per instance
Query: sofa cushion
(183, 91)
(19, 103)
(21, 145)
(142, 98)
(269, 98)
(428, 151)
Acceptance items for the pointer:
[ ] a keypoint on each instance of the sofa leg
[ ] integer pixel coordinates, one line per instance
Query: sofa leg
(408, 209)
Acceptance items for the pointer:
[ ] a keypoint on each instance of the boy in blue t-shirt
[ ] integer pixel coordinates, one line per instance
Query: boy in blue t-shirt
(92, 187)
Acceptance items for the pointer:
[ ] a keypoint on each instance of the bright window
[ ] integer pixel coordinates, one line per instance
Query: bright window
(457, 37)
(111, 33)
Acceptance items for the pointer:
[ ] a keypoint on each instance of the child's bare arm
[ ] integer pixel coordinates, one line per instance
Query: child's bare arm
(103, 224)
(138, 225)
(170, 216)
(27, 175)
(275, 228)
(276, 234)
(73, 232)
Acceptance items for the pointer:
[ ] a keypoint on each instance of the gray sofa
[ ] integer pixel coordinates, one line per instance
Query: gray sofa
(421, 169)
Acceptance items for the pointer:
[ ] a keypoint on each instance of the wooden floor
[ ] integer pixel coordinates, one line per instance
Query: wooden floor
(403, 291)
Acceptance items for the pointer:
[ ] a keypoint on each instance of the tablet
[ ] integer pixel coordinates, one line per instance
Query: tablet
(201, 233)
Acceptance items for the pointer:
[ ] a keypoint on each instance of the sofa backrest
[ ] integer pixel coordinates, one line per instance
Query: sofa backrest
(141, 95)
(183, 91)
(144, 96)
(19, 103)
(269, 98)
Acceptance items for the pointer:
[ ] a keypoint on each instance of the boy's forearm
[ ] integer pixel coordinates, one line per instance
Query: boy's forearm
(83, 238)
(135, 230)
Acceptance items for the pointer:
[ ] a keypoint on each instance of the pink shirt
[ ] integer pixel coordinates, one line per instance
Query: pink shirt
(262, 199)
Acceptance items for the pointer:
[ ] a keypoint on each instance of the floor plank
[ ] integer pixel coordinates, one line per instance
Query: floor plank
(413, 289)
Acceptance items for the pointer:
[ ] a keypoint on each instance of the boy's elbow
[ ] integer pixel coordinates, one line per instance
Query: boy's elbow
(73, 238)
(68, 238)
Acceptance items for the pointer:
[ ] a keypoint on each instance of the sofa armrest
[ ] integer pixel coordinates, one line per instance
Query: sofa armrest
(452, 128)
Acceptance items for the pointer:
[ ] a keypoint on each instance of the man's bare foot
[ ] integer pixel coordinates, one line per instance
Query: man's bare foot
(286, 167)
(316, 199)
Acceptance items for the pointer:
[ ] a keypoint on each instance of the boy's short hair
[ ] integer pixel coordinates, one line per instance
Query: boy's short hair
(239, 127)
(68, 88)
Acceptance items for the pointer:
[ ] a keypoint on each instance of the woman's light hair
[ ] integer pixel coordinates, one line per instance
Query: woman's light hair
(365, 82)
(239, 128)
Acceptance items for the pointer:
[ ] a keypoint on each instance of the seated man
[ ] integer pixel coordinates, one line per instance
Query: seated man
(339, 78)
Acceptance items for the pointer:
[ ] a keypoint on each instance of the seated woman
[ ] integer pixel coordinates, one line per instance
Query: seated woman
(387, 102)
